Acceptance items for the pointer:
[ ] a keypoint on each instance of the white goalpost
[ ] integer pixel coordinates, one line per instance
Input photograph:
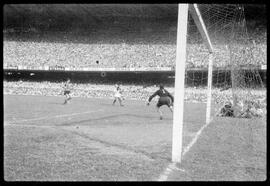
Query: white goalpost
(177, 136)
(179, 82)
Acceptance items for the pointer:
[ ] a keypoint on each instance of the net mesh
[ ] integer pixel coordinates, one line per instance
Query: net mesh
(236, 77)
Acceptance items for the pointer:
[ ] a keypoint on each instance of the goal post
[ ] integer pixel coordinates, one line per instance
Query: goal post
(179, 82)
(177, 136)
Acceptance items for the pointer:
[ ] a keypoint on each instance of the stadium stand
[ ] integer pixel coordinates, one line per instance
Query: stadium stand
(28, 50)
(113, 41)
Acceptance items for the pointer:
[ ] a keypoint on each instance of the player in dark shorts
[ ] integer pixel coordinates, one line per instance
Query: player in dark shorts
(67, 91)
(165, 98)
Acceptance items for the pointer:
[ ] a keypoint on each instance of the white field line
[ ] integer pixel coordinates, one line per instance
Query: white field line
(26, 125)
(193, 141)
(52, 117)
(172, 166)
(167, 172)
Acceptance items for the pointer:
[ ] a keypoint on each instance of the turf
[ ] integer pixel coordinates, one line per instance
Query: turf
(229, 150)
(92, 140)
(111, 143)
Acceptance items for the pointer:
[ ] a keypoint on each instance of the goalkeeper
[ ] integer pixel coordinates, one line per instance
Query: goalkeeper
(165, 98)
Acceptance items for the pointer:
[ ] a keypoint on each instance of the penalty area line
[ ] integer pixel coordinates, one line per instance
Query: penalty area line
(172, 166)
(187, 148)
(53, 117)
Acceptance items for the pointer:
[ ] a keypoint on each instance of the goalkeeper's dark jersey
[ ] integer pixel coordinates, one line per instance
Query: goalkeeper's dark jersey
(161, 93)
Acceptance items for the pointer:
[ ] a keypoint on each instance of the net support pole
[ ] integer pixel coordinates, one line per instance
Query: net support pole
(196, 15)
(209, 88)
(179, 83)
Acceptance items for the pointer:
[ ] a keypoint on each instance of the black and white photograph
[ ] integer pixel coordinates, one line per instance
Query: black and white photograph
(134, 92)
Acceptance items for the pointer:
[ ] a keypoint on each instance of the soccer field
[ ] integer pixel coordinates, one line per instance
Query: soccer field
(92, 140)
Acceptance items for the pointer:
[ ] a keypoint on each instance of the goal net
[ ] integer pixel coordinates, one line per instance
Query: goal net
(237, 86)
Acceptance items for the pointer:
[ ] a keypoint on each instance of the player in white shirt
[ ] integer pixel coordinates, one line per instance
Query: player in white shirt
(118, 95)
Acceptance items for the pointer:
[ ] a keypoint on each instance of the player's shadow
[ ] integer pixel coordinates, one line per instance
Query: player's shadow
(152, 156)
(143, 116)
(107, 118)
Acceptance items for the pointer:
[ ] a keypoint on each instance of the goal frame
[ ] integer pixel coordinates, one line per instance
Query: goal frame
(182, 23)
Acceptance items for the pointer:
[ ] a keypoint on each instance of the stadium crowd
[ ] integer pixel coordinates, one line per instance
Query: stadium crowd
(130, 91)
(88, 51)
(130, 48)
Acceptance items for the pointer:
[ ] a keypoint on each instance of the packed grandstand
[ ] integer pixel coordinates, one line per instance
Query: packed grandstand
(70, 50)
(108, 42)
(111, 44)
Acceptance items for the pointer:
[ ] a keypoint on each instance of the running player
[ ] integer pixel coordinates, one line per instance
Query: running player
(118, 95)
(165, 98)
(67, 91)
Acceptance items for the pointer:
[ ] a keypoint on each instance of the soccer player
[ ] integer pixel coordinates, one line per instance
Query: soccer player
(165, 98)
(118, 95)
(67, 91)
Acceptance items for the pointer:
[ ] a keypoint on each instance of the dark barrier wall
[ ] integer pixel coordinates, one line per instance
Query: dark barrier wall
(193, 78)
(93, 77)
